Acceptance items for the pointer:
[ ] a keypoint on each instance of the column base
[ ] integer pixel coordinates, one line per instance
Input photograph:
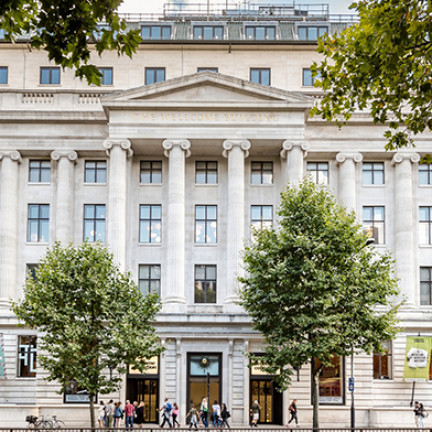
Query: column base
(174, 305)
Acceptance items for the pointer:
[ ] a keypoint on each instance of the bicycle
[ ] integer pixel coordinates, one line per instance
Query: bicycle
(34, 423)
(57, 424)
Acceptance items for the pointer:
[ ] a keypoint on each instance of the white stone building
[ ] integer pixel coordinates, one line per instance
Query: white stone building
(171, 165)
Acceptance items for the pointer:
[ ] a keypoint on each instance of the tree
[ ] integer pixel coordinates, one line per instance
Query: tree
(313, 289)
(66, 29)
(92, 319)
(383, 65)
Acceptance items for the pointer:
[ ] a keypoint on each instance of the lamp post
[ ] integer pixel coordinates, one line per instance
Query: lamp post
(369, 241)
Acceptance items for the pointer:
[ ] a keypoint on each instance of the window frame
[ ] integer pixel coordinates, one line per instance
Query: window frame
(30, 357)
(428, 171)
(153, 171)
(427, 222)
(373, 171)
(371, 223)
(6, 70)
(343, 389)
(102, 71)
(307, 29)
(260, 72)
(316, 172)
(50, 69)
(428, 282)
(206, 171)
(208, 69)
(150, 279)
(254, 32)
(154, 70)
(40, 221)
(202, 28)
(39, 169)
(255, 222)
(97, 170)
(313, 79)
(207, 220)
(389, 358)
(262, 172)
(152, 37)
(150, 220)
(95, 221)
(205, 281)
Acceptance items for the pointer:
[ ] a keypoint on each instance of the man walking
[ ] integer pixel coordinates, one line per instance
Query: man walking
(166, 413)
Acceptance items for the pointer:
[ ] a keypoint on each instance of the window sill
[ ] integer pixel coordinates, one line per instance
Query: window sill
(26, 378)
(382, 379)
(374, 186)
(150, 244)
(205, 244)
(425, 246)
(206, 185)
(261, 185)
(95, 184)
(151, 184)
(38, 183)
(49, 85)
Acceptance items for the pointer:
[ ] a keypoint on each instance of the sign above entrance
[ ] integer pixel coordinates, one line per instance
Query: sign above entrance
(151, 369)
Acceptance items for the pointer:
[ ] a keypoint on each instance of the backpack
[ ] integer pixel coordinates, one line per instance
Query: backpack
(168, 406)
(425, 414)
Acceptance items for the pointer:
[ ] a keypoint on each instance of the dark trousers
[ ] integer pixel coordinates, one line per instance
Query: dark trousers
(293, 417)
(166, 419)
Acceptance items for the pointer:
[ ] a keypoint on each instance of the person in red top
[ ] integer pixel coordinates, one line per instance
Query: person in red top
(129, 411)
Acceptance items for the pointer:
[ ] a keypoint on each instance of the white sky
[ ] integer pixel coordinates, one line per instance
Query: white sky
(155, 6)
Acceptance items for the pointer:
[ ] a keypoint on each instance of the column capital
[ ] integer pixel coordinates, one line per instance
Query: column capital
(70, 154)
(15, 155)
(409, 156)
(289, 145)
(169, 144)
(124, 144)
(230, 144)
(344, 156)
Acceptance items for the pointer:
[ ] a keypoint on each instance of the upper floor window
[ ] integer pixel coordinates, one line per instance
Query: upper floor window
(261, 216)
(149, 280)
(373, 222)
(318, 172)
(154, 75)
(261, 173)
(107, 75)
(31, 270)
(150, 223)
(151, 172)
(426, 285)
(205, 223)
(95, 171)
(308, 78)
(38, 223)
(50, 75)
(208, 32)
(155, 32)
(425, 220)
(205, 284)
(425, 174)
(373, 173)
(3, 74)
(100, 31)
(260, 76)
(331, 381)
(260, 32)
(27, 352)
(382, 362)
(209, 69)
(206, 172)
(39, 171)
(311, 33)
(94, 222)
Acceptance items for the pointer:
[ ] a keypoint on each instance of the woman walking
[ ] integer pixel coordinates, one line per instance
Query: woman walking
(224, 415)
(204, 412)
(193, 417)
(293, 411)
(118, 414)
(140, 415)
(101, 415)
(255, 410)
(175, 414)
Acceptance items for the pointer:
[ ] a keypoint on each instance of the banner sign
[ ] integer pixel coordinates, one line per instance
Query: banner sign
(2, 358)
(417, 358)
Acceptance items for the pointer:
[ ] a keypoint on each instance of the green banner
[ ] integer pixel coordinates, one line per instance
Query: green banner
(2, 358)
(417, 358)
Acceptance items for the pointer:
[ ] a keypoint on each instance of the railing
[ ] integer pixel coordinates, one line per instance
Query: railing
(267, 428)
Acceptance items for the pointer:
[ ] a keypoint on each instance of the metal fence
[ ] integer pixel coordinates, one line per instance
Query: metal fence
(267, 428)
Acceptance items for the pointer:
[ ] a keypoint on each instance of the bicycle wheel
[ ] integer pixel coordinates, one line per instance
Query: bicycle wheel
(47, 424)
(59, 425)
(38, 425)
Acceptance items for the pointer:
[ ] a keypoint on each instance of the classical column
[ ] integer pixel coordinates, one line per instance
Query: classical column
(177, 151)
(236, 151)
(403, 232)
(118, 151)
(64, 222)
(294, 152)
(8, 225)
(348, 179)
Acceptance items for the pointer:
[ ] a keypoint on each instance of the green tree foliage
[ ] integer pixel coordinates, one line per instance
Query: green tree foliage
(383, 65)
(313, 289)
(92, 319)
(65, 29)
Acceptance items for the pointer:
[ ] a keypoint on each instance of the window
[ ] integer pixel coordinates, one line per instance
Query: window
(31, 271)
(208, 32)
(50, 75)
(38, 223)
(425, 174)
(425, 219)
(426, 285)
(331, 381)
(95, 171)
(107, 75)
(205, 223)
(2, 34)
(308, 78)
(155, 32)
(261, 216)
(261, 173)
(373, 173)
(149, 278)
(260, 32)
(205, 284)
(100, 31)
(318, 172)
(210, 69)
(311, 33)
(382, 362)
(260, 76)
(206, 172)
(27, 353)
(3, 75)
(150, 223)
(94, 222)
(373, 223)
(151, 172)
(154, 75)
(39, 171)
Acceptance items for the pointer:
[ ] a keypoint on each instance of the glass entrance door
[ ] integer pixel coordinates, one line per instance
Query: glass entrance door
(269, 399)
(145, 390)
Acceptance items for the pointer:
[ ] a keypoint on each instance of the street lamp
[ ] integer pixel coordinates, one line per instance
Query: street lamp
(369, 241)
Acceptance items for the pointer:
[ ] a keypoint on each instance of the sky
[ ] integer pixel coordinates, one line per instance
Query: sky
(155, 6)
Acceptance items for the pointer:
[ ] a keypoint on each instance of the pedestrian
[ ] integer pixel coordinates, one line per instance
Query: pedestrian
(139, 420)
(204, 411)
(129, 414)
(109, 414)
(175, 413)
(216, 413)
(118, 414)
(255, 410)
(193, 417)
(224, 415)
(293, 412)
(418, 414)
(101, 414)
(166, 413)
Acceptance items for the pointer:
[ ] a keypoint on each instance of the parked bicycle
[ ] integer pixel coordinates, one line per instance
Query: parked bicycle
(34, 423)
(57, 424)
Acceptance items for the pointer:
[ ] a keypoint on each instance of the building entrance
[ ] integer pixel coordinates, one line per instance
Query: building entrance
(269, 399)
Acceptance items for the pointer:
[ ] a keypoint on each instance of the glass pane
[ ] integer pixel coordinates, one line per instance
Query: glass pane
(212, 165)
(424, 233)
(156, 32)
(307, 77)
(34, 175)
(144, 287)
(145, 166)
(44, 231)
(255, 178)
(101, 175)
(200, 178)
(145, 177)
(270, 33)
(208, 33)
(156, 212)
(218, 33)
(379, 177)
(302, 35)
(424, 274)
(100, 230)
(212, 178)
(108, 76)
(201, 166)
(144, 235)
(211, 232)
(144, 272)
(322, 31)
(166, 33)
(250, 33)
(90, 176)
(423, 178)
(199, 232)
(55, 74)
(211, 273)
(323, 177)
(144, 212)
(425, 293)
(100, 212)
(155, 272)
(44, 211)
(33, 211)
(155, 235)
(160, 75)
(265, 77)
(211, 212)
(199, 292)
(3, 75)
(45, 175)
(157, 177)
(379, 213)
(367, 177)
(155, 286)
(367, 214)
(149, 78)
(267, 212)
(89, 234)
(45, 76)
(200, 212)
(145, 32)
(199, 272)
(89, 211)
(312, 33)
(268, 166)
(255, 76)
(210, 292)
(32, 234)
(380, 227)
(256, 212)
(260, 33)
(267, 178)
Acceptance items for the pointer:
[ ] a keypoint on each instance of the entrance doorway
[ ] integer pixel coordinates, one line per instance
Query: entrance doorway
(269, 399)
(145, 390)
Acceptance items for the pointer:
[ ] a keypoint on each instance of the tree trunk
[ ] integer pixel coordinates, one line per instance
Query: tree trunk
(92, 411)
(315, 393)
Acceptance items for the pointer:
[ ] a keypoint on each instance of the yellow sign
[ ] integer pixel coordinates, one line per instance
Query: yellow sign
(151, 369)
(417, 358)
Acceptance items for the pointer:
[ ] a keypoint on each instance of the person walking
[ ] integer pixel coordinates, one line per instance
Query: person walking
(224, 415)
(109, 414)
(204, 411)
(255, 410)
(216, 413)
(129, 414)
(166, 413)
(175, 413)
(418, 414)
(293, 412)
(193, 414)
(139, 420)
(118, 414)
(101, 414)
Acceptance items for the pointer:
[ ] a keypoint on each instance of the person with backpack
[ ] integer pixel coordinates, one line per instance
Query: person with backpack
(419, 414)
(118, 414)
(224, 415)
(193, 413)
(109, 413)
(166, 413)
